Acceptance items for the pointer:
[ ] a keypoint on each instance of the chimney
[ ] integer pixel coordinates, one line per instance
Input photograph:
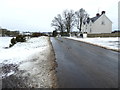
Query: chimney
(97, 14)
(103, 12)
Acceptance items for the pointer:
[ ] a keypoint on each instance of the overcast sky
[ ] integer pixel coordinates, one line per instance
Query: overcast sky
(36, 15)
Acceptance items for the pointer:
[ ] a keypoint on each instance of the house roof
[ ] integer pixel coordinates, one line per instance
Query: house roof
(92, 19)
(95, 18)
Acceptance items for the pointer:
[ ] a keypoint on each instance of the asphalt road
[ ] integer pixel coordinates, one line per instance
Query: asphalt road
(82, 65)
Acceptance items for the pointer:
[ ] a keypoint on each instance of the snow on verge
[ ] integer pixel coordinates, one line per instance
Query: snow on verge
(23, 51)
(4, 42)
(108, 42)
(33, 59)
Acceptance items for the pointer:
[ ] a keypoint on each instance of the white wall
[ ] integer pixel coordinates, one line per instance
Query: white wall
(89, 27)
(98, 27)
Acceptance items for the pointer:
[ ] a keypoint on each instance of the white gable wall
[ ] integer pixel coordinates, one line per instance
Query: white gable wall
(102, 25)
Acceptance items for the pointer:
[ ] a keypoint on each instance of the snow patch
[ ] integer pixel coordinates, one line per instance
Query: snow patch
(4, 42)
(22, 51)
(32, 57)
(108, 42)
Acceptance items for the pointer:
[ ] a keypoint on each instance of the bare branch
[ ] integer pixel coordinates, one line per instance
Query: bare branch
(57, 22)
(69, 19)
(81, 16)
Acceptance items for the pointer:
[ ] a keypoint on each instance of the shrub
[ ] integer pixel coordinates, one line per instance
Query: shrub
(13, 41)
(19, 38)
(54, 34)
(36, 35)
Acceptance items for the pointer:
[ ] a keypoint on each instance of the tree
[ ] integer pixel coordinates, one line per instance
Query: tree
(81, 16)
(69, 20)
(58, 24)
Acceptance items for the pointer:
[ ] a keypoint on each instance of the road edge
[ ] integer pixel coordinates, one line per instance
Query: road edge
(94, 45)
(54, 65)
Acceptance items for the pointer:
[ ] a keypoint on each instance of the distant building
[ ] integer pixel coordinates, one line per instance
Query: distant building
(48, 33)
(119, 15)
(98, 24)
(26, 33)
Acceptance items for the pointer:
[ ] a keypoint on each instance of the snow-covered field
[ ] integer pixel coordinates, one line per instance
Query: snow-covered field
(32, 56)
(21, 51)
(108, 42)
(4, 42)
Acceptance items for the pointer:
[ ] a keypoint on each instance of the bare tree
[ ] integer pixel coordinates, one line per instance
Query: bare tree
(58, 24)
(81, 16)
(69, 20)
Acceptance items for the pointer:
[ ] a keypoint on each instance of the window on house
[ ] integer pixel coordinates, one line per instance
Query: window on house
(103, 23)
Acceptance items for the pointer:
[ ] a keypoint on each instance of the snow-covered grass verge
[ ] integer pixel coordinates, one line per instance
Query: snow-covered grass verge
(33, 59)
(108, 42)
(23, 51)
(4, 42)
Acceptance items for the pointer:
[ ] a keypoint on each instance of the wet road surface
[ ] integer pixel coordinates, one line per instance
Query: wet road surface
(82, 65)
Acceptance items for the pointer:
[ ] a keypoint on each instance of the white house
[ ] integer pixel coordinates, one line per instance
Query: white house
(98, 24)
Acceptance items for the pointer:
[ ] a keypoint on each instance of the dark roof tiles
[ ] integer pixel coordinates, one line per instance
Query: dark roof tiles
(95, 18)
(92, 19)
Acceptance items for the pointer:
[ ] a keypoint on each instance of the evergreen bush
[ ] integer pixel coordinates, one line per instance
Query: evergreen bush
(19, 38)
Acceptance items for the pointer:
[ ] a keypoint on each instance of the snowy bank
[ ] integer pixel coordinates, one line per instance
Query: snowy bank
(108, 42)
(23, 51)
(4, 42)
(33, 59)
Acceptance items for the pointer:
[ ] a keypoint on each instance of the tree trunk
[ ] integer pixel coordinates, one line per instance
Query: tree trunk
(80, 24)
